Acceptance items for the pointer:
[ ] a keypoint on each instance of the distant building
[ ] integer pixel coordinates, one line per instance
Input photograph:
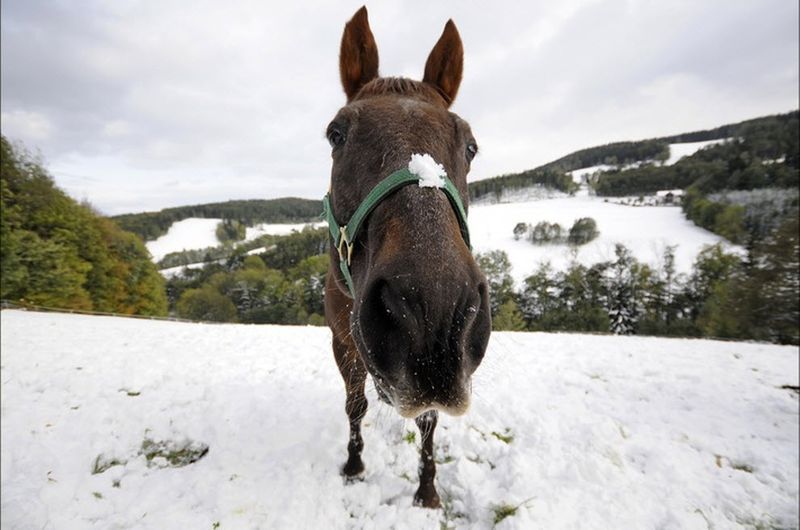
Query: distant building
(669, 196)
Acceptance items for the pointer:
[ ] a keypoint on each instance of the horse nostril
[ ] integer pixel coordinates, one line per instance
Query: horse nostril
(477, 326)
(391, 323)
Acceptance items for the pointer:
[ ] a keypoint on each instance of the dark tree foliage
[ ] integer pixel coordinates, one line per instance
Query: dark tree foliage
(767, 138)
(58, 253)
(282, 285)
(583, 231)
(542, 177)
(151, 225)
(723, 296)
(763, 153)
(230, 231)
(614, 154)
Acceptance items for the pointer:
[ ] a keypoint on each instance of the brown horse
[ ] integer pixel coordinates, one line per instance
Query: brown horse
(404, 297)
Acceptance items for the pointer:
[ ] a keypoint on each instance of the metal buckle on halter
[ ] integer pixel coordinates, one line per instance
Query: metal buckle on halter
(344, 242)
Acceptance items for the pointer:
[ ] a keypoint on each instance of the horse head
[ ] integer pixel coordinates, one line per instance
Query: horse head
(415, 301)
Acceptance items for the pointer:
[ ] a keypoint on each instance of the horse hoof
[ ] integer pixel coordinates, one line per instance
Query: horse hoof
(353, 472)
(427, 499)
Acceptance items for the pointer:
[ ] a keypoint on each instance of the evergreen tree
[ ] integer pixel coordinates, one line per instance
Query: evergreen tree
(497, 269)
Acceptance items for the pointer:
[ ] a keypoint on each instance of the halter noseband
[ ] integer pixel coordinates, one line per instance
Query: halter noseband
(344, 236)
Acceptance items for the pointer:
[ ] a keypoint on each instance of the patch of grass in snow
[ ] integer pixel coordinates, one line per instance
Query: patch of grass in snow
(597, 377)
(103, 463)
(177, 455)
(742, 467)
(478, 460)
(215, 525)
(450, 517)
(410, 437)
(506, 436)
(132, 393)
(739, 466)
(502, 511)
(97, 495)
(442, 454)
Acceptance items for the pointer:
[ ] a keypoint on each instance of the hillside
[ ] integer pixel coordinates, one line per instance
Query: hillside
(151, 225)
(766, 138)
(492, 228)
(566, 431)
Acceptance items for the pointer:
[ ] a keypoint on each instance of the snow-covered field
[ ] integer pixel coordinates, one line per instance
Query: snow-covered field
(678, 151)
(576, 431)
(646, 231)
(195, 233)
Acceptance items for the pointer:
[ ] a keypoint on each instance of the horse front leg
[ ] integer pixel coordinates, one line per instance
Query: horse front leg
(426, 495)
(354, 374)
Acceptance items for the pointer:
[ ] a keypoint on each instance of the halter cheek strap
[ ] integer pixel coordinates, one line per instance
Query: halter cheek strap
(344, 236)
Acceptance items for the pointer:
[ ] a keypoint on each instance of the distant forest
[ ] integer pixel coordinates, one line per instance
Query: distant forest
(151, 225)
(766, 139)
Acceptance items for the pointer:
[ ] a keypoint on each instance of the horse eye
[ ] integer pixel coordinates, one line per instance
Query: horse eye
(472, 150)
(336, 138)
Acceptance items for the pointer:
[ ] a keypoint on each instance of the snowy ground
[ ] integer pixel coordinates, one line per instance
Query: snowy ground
(195, 233)
(187, 234)
(576, 431)
(646, 231)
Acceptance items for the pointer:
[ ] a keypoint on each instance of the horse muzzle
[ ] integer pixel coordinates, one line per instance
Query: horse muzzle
(422, 347)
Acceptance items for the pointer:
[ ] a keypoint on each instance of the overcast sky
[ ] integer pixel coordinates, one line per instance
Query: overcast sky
(143, 105)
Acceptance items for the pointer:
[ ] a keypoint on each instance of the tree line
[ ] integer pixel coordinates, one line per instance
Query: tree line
(549, 178)
(152, 225)
(282, 285)
(764, 153)
(769, 135)
(751, 297)
(56, 252)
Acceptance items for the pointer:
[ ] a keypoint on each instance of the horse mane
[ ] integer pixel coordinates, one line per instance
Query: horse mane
(402, 86)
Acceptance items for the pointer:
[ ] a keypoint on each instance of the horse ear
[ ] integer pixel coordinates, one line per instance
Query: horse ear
(446, 63)
(358, 55)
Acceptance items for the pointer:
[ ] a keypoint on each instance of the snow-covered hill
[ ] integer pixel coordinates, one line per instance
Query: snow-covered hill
(575, 431)
(646, 231)
(196, 233)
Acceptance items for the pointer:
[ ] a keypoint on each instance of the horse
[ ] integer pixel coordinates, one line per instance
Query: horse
(404, 297)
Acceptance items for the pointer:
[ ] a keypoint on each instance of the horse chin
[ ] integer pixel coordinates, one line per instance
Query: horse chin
(412, 411)
(411, 408)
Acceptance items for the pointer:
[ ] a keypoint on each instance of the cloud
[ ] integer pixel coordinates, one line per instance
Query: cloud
(230, 100)
(30, 127)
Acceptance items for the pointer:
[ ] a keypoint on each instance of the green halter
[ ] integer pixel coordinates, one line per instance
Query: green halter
(344, 236)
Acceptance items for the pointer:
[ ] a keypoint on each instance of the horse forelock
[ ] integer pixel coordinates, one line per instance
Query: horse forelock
(402, 86)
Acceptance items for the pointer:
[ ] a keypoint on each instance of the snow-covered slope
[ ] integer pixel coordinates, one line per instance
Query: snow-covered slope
(646, 231)
(196, 233)
(678, 151)
(578, 431)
